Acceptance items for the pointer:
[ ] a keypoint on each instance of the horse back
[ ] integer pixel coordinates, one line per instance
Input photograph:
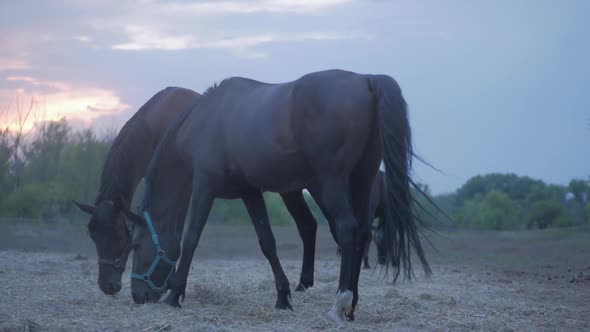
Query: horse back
(277, 137)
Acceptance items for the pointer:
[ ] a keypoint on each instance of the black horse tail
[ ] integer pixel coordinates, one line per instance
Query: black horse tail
(152, 169)
(401, 232)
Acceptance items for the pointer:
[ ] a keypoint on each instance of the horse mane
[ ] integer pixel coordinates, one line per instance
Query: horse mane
(211, 88)
(130, 142)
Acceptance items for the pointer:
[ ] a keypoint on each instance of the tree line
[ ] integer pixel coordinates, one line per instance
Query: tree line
(39, 175)
(508, 201)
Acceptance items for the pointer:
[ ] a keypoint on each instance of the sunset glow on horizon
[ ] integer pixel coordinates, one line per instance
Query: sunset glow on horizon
(60, 100)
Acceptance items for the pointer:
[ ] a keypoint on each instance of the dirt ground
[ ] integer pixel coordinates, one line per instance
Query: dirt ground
(492, 281)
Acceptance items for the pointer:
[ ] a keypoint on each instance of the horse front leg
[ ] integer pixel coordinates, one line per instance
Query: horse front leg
(254, 203)
(307, 227)
(202, 200)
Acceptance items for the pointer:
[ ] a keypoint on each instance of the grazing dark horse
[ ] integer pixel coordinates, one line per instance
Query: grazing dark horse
(327, 132)
(125, 165)
(123, 168)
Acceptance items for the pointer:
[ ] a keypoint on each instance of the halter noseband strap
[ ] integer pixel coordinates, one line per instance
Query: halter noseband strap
(160, 256)
(120, 262)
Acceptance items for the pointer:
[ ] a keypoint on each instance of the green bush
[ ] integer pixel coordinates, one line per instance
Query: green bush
(58, 164)
(35, 200)
(234, 211)
(548, 213)
(5, 179)
(496, 211)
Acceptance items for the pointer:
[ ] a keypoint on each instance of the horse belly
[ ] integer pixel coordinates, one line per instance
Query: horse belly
(279, 173)
(270, 162)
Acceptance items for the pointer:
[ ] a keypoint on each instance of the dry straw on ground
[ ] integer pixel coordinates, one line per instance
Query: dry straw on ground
(49, 291)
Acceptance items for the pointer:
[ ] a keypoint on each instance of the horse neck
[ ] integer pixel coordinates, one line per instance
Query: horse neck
(126, 162)
(167, 194)
(165, 212)
(111, 192)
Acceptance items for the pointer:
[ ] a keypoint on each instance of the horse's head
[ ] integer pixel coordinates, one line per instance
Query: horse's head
(155, 251)
(112, 237)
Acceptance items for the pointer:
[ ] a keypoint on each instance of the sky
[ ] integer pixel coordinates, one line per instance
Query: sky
(495, 86)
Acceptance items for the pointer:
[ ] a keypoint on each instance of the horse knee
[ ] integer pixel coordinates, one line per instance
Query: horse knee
(268, 246)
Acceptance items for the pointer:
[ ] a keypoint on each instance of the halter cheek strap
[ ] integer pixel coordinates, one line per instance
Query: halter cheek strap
(160, 256)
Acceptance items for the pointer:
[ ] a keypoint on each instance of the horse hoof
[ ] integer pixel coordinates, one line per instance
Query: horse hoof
(283, 301)
(349, 316)
(284, 306)
(335, 317)
(303, 286)
(342, 308)
(172, 300)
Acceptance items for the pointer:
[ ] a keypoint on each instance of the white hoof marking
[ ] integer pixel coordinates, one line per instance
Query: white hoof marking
(343, 305)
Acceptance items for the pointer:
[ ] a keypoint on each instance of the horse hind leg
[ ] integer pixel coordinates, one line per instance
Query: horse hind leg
(361, 185)
(334, 195)
(307, 227)
(361, 194)
(254, 203)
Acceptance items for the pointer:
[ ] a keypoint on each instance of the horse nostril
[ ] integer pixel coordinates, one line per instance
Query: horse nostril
(108, 288)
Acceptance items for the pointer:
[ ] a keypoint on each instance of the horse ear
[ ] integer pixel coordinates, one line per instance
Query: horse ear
(86, 208)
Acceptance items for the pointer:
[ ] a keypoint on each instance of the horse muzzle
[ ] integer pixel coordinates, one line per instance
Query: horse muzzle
(145, 295)
(110, 288)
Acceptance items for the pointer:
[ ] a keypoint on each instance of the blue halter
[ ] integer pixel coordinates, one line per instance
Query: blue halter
(160, 256)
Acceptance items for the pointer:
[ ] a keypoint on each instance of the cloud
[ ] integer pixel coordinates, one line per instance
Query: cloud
(13, 64)
(147, 38)
(83, 39)
(250, 7)
(38, 82)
